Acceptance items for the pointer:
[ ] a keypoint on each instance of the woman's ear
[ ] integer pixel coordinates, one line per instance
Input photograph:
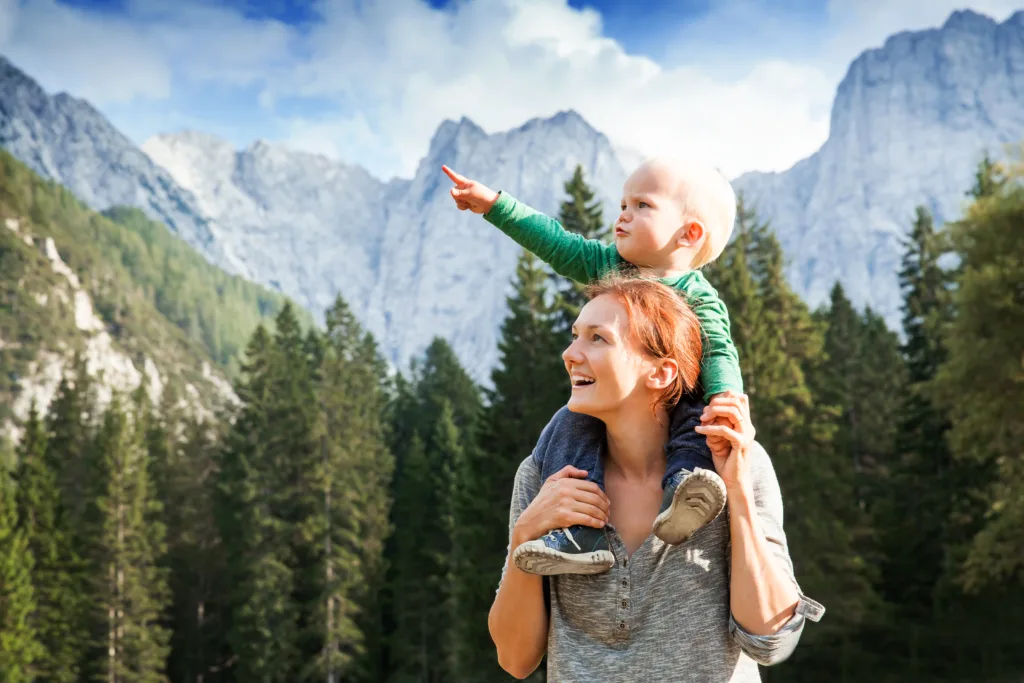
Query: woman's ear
(662, 373)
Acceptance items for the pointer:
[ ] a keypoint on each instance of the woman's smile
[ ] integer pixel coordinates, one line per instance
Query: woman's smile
(580, 381)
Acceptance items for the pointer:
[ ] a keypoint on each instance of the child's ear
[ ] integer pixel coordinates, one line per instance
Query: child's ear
(691, 234)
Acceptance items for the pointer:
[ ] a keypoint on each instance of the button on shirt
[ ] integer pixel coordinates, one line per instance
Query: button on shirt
(663, 613)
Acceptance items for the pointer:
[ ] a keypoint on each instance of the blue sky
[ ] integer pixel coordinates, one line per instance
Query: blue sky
(747, 84)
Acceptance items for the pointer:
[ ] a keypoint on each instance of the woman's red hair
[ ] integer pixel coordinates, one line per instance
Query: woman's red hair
(663, 325)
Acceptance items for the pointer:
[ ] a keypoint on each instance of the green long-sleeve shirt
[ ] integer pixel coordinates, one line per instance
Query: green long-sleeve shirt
(586, 260)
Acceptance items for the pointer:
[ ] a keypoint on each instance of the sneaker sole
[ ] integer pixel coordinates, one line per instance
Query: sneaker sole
(544, 561)
(703, 502)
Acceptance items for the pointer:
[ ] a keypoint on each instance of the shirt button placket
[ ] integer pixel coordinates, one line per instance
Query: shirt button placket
(624, 602)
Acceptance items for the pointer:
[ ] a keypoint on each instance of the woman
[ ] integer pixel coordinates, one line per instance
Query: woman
(703, 610)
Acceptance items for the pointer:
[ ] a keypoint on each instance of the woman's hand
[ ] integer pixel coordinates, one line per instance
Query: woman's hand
(728, 416)
(565, 499)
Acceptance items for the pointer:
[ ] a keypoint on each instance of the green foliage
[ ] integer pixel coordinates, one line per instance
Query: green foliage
(19, 644)
(156, 295)
(127, 588)
(980, 381)
(55, 575)
(443, 415)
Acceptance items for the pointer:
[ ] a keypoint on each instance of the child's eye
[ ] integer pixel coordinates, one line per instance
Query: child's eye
(642, 204)
(623, 207)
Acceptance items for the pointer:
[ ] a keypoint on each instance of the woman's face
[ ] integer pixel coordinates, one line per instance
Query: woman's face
(606, 370)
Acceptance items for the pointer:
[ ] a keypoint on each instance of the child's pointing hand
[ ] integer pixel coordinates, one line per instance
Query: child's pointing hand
(469, 194)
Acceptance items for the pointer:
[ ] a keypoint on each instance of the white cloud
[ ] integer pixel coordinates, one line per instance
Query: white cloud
(407, 67)
(101, 58)
(396, 68)
(116, 58)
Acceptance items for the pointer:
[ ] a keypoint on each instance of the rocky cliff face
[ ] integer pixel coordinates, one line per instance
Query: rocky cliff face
(410, 264)
(910, 122)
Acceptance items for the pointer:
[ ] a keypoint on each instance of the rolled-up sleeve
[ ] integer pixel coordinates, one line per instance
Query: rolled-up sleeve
(777, 647)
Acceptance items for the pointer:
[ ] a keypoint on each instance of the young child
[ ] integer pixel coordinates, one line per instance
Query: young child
(676, 217)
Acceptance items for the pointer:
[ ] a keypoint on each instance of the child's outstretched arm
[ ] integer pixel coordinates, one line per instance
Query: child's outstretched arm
(567, 253)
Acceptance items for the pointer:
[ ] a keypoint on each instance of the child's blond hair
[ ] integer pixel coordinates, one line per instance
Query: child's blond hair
(704, 195)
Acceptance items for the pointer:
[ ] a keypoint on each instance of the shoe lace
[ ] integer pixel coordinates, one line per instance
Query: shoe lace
(569, 535)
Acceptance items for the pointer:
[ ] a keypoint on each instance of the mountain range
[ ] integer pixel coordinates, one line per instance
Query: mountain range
(909, 123)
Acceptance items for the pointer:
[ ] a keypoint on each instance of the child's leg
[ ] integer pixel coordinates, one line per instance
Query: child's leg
(694, 493)
(577, 440)
(572, 439)
(686, 449)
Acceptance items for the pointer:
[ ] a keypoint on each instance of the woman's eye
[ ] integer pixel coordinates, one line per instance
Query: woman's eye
(574, 336)
(642, 204)
(598, 337)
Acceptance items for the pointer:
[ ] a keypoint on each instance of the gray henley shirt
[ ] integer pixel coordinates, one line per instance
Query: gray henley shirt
(663, 613)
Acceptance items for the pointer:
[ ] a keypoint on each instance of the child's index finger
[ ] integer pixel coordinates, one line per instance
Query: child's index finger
(453, 175)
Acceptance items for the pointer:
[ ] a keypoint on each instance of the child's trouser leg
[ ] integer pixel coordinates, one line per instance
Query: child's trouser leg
(572, 439)
(686, 449)
(577, 440)
(694, 493)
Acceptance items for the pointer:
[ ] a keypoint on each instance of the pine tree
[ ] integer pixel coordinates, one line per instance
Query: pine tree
(876, 394)
(294, 462)
(54, 577)
(20, 649)
(182, 454)
(862, 375)
(989, 178)
(421, 494)
(921, 501)
(358, 469)
(128, 589)
(70, 425)
(580, 214)
(262, 616)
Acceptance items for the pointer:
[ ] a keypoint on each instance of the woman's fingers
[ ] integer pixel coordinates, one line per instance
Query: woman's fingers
(582, 518)
(591, 510)
(591, 488)
(589, 498)
(719, 430)
(730, 412)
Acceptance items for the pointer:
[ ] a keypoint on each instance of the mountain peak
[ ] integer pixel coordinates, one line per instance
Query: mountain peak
(968, 20)
(13, 78)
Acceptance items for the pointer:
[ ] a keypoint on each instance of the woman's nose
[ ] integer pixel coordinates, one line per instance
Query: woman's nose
(571, 354)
